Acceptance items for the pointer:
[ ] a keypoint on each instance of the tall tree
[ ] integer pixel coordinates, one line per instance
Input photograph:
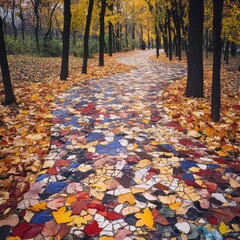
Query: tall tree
(102, 32)
(66, 36)
(217, 41)
(86, 36)
(169, 34)
(36, 5)
(22, 19)
(48, 34)
(13, 18)
(195, 50)
(9, 95)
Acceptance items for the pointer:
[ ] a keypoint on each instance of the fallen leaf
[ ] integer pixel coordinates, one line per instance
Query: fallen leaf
(127, 197)
(146, 218)
(38, 207)
(78, 221)
(56, 203)
(62, 215)
(92, 229)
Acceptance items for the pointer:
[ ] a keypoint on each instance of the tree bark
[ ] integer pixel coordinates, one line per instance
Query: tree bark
(133, 36)
(233, 49)
(8, 90)
(66, 36)
(217, 43)
(226, 52)
(110, 39)
(86, 36)
(195, 50)
(169, 34)
(22, 21)
(48, 33)
(35, 4)
(157, 41)
(102, 32)
(13, 19)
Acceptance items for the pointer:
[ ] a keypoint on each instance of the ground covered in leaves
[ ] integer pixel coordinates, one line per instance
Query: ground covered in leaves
(119, 167)
(194, 115)
(25, 127)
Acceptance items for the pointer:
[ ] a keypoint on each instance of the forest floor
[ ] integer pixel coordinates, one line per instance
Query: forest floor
(110, 133)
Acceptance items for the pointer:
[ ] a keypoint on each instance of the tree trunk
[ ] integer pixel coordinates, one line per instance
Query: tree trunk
(22, 21)
(86, 36)
(226, 52)
(35, 4)
(102, 32)
(48, 33)
(110, 39)
(195, 50)
(126, 35)
(133, 36)
(233, 49)
(169, 34)
(176, 19)
(149, 44)
(157, 41)
(66, 36)
(8, 90)
(216, 81)
(13, 19)
(166, 38)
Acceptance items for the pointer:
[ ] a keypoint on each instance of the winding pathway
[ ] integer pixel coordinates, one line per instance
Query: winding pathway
(120, 168)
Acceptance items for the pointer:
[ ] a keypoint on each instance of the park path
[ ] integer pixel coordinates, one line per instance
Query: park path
(120, 168)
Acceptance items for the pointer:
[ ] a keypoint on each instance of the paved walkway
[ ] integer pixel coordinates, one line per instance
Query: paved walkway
(119, 168)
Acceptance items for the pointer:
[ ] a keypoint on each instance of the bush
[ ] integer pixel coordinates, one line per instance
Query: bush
(19, 46)
(51, 48)
(77, 50)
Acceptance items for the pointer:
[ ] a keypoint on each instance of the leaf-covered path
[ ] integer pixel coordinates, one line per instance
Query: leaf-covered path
(120, 168)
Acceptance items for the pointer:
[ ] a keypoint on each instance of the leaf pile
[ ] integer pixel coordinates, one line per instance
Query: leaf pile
(194, 115)
(25, 128)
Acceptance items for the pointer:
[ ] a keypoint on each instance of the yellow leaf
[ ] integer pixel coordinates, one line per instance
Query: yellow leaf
(24, 112)
(101, 187)
(209, 131)
(222, 154)
(128, 197)
(146, 218)
(61, 100)
(48, 115)
(78, 221)
(223, 228)
(175, 206)
(34, 97)
(227, 148)
(38, 207)
(62, 215)
(13, 238)
(144, 163)
(71, 199)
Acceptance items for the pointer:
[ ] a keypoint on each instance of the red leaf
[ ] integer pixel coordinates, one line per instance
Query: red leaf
(78, 206)
(114, 216)
(21, 229)
(92, 229)
(96, 205)
(82, 196)
(33, 231)
(26, 231)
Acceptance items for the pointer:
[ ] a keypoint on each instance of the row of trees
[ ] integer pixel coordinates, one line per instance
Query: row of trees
(192, 25)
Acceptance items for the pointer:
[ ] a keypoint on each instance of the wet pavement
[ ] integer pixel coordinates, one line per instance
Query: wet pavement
(120, 168)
